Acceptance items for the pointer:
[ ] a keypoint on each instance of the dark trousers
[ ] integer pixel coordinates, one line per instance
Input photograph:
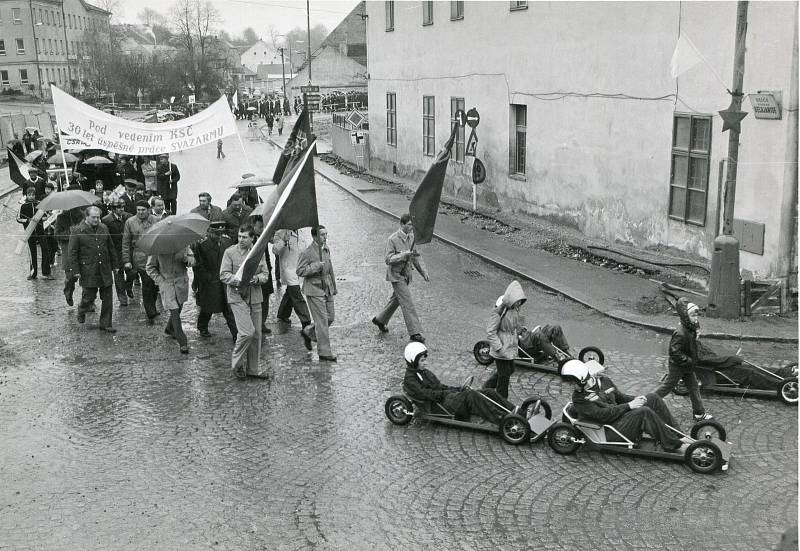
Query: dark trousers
(651, 419)
(475, 404)
(52, 248)
(499, 379)
(149, 293)
(676, 374)
(264, 306)
(293, 298)
(539, 345)
(175, 327)
(107, 307)
(41, 240)
(204, 317)
(120, 285)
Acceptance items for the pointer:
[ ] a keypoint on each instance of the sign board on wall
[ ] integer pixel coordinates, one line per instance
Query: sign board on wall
(765, 106)
(357, 138)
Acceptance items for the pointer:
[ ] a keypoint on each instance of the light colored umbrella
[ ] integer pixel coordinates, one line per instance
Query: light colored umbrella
(173, 234)
(252, 109)
(258, 181)
(33, 155)
(32, 128)
(98, 160)
(65, 200)
(60, 157)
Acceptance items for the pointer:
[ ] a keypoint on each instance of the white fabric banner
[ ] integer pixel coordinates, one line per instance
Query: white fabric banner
(118, 135)
(684, 57)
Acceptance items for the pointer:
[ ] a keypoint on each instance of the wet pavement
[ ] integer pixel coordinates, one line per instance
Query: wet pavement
(121, 442)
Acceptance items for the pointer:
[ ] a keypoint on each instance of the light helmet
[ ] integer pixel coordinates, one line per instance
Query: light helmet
(413, 350)
(575, 370)
(595, 368)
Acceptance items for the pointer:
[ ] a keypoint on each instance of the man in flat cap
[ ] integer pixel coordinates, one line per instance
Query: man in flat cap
(135, 259)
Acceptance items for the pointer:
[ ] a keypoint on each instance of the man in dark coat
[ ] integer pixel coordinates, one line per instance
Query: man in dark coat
(236, 214)
(266, 289)
(210, 293)
(683, 358)
(27, 140)
(26, 213)
(128, 197)
(167, 177)
(422, 385)
(115, 222)
(93, 256)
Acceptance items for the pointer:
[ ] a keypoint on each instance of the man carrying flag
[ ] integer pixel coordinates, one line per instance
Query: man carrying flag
(415, 228)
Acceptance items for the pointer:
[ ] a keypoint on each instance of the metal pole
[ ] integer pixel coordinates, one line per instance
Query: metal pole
(283, 74)
(66, 48)
(736, 105)
(787, 235)
(308, 32)
(36, 49)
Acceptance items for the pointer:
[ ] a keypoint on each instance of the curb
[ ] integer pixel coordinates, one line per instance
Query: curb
(501, 265)
(8, 191)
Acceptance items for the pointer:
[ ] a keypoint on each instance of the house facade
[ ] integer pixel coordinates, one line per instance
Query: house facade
(581, 120)
(44, 41)
(257, 54)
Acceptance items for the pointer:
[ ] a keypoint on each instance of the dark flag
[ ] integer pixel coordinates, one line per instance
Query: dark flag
(293, 145)
(292, 205)
(18, 170)
(425, 204)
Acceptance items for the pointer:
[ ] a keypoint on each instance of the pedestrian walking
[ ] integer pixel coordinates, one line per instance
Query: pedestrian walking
(270, 123)
(504, 325)
(210, 294)
(27, 211)
(279, 124)
(266, 289)
(168, 272)
(65, 223)
(236, 214)
(401, 260)
(49, 228)
(135, 259)
(115, 222)
(220, 153)
(149, 171)
(319, 286)
(245, 302)
(93, 257)
(167, 178)
(205, 209)
(287, 247)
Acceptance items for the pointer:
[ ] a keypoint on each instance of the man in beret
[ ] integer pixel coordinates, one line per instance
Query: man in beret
(210, 293)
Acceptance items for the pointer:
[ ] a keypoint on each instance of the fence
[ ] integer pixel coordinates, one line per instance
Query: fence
(343, 134)
(16, 123)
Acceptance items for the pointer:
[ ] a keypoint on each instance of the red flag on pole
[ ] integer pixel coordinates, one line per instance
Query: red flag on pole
(425, 203)
(292, 205)
(18, 170)
(294, 143)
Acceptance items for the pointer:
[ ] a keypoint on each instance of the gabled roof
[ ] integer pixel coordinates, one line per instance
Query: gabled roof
(91, 7)
(351, 30)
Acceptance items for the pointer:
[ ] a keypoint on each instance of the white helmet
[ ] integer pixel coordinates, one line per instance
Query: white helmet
(576, 370)
(413, 350)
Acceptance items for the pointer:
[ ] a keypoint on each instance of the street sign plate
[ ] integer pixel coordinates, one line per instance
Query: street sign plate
(355, 118)
(306, 89)
(460, 117)
(473, 118)
(472, 145)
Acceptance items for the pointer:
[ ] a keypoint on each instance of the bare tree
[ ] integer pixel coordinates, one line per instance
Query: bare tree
(113, 6)
(151, 17)
(195, 23)
(249, 36)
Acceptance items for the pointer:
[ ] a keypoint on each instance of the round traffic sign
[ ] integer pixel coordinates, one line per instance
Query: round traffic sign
(473, 118)
(460, 117)
(478, 172)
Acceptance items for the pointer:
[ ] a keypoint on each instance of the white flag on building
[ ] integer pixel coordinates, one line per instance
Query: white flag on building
(685, 56)
(235, 98)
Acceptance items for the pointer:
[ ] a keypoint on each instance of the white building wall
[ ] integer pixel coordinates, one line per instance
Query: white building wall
(599, 163)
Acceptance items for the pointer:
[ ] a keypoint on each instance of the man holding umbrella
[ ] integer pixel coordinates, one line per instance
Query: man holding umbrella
(135, 258)
(168, 271)
(115, 222)
(92, 253)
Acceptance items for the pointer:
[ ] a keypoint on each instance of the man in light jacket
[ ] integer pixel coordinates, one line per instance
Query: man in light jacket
(287, 246)
(319, 286)
(245, 302)
(400, 261)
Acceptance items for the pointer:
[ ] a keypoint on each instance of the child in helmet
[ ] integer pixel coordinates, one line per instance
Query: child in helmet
(596, 399)
(422, 385)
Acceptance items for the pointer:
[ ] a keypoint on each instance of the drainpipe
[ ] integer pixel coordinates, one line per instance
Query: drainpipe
(787, 234)
(36, 50)
(66, 47)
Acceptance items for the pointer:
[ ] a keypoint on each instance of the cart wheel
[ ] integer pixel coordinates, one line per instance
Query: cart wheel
(708, 429)
(787, 391)
(703, 457)
(562, 438)
(591, 353)
(680, 389)
(535, 406)
(515, 429)
(481, 353)
(399, 410)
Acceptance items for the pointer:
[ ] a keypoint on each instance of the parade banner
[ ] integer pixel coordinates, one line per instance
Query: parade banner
(118, 135)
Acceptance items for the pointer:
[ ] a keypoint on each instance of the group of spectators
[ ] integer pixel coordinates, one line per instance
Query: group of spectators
(272, 105)
(343, 101)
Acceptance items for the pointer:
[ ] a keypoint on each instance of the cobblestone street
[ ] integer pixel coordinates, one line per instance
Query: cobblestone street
(121, 442)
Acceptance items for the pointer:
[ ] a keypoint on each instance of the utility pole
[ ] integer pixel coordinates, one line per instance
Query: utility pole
(724, 286)
(309, 118)
(36, 49)
(283, 74)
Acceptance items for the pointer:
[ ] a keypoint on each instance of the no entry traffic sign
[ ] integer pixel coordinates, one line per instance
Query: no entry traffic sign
(460, 117)
(473, 118)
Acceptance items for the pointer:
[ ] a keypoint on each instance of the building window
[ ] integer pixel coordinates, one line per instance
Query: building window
(23, 76)
(50, 43)
(391, 119)
(427, 12)
(455, 105)
(519, 132)
(389, 6)
(4, 77)
(15, 15)
(428, 126)
(519, 5)
(20, 46)
(456, 10)
(2, 47)
(691, 147)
